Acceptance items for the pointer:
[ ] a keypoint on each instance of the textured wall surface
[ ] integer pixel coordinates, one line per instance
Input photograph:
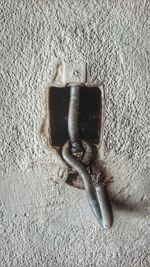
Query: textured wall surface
(42, 221)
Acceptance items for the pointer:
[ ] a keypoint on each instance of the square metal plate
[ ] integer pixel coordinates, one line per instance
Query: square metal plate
(90, 114)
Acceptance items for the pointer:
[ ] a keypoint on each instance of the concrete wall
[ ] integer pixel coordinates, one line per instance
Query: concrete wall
(42, 221)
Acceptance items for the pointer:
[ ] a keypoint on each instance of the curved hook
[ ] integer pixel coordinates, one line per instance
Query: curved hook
(97, 196)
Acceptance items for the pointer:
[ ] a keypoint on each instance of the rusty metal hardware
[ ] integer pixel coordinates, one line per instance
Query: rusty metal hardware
(77, 153)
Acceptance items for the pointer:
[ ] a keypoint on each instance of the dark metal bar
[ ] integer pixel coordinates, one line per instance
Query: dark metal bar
(98, 198)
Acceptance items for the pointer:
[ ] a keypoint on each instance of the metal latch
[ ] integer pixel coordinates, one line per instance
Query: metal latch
(75, 128)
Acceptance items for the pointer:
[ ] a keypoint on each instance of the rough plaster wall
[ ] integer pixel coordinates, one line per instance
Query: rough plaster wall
(42, 221)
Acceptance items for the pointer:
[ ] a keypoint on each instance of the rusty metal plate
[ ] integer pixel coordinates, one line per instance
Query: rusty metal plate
(89, 118)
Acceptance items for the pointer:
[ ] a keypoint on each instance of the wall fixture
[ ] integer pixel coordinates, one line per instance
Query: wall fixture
(75, 124)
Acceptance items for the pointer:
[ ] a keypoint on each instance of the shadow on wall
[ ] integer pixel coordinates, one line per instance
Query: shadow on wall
(127, 204)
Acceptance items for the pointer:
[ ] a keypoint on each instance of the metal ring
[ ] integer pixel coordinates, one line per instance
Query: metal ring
(87, 152)
(87, 157)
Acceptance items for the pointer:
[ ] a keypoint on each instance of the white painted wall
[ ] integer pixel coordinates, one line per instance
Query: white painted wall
(42, 221)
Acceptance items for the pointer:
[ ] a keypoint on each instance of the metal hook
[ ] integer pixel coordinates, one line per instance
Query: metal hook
(97, 196)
